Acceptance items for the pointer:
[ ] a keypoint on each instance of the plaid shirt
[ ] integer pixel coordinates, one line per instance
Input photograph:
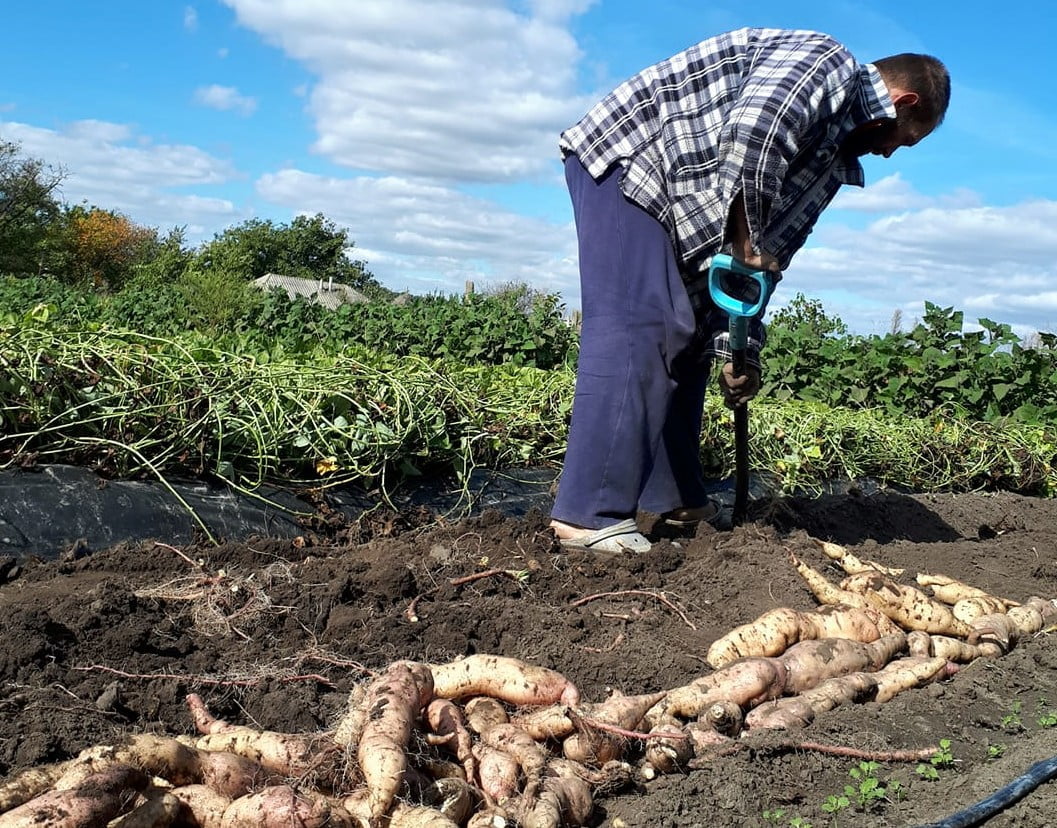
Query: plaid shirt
(762, 112)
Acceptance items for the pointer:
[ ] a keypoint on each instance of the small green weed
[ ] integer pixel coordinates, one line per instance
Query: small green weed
(942, 758)
(834, 803)
(995, 751)
(869, 792)
(1012, 720)
(777, 816)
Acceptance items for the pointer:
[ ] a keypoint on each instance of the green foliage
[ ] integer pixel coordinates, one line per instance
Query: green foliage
(308, 248)
(942, 758)
(982, 375)
(28, 210)
(995, 751)
(868, 793)
(1012, 720)
(490, 330)
(74, 305)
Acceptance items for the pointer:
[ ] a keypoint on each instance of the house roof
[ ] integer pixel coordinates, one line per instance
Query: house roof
(326, 293)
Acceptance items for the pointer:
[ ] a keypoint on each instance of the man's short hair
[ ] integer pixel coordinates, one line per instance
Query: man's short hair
(925, 75)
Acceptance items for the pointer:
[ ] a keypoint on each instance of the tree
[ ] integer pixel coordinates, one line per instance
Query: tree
(28, 209)
(104, 246)
(310, 247)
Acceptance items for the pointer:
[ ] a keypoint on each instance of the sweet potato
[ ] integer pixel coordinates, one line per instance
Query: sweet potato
(951, 591)
(158, 809)
(669, 755)
(593, 747)
(969, 609)
(724, 717)
(205, 805)
(393, 701)
(953, 649)
(824, 590)
(863, 624)
(705, 740)
(281, 806)
(850, 563)
(419, 816)
(809, 663)
(908, 606)
(531, 757)
(776, 630)
(746, 682)
(596, 747)
(285, 754)
(799, 711)
(98, 799)
(483, 713)
(349, 728)
(1028, 619)
(173, 761)
(30, 783)
(497, 772)
(909, 672)
(612, 776)
(446, 721)
(564, 801)
(769, 635)
(489, 817)
(453, 797)
(507, 679)
(542, 723)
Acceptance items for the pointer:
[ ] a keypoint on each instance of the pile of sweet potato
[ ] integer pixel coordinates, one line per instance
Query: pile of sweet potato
(494, 741)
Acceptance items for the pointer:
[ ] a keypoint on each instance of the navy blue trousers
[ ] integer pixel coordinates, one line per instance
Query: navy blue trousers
(634, 437)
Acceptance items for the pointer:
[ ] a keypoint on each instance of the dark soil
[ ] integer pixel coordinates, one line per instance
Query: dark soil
(274, 633)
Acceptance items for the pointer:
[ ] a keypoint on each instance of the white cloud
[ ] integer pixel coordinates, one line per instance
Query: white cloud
(427, 237)
(952, 257)
(452, 90)
(112, 166)
(190, 18)
(225, 98)
(892, 193)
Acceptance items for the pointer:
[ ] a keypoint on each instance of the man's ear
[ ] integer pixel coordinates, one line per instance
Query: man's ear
(901, 99)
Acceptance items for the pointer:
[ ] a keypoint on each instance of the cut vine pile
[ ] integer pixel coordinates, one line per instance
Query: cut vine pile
(409, 671)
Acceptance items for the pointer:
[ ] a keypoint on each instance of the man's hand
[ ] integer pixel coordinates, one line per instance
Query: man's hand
(738, 240)
(738, 390)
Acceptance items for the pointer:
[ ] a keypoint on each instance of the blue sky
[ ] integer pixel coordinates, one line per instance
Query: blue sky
(429, 129)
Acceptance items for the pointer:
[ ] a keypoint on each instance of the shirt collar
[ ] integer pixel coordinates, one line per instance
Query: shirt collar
(871, 102)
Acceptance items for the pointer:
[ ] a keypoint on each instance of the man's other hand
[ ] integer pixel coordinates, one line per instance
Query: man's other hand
(738, 390)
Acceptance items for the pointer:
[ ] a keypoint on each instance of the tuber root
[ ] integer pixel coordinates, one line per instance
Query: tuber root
(912, 671)
(508, 679)
(908, 606)
(99, 798)
(800, 711)
(850, 563)
(393, 702)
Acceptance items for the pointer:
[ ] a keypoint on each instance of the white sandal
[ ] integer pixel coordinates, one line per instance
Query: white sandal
(620, 537)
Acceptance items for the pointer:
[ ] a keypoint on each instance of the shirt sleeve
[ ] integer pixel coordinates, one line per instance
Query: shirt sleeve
(714, 328)
(792, 88)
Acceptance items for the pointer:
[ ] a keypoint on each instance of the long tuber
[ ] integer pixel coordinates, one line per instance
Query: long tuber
(778, 629)
(508, 679)
(908, 606)
(393, 701)
(99, 798)
(799, 711)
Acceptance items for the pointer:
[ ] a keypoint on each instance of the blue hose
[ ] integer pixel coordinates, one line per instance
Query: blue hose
(1020, 787)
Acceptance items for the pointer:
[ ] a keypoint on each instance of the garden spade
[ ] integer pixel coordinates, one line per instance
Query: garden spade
(741, 293)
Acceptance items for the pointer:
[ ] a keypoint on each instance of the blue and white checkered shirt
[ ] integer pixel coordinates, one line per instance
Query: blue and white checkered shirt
(762, 112)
